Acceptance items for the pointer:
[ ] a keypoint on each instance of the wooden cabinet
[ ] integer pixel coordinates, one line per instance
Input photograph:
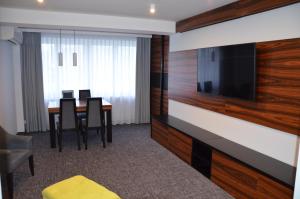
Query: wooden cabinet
(237, 178)
(243, 182)
(180, 144)
(177, 142)
(159, 132)
(268, 188)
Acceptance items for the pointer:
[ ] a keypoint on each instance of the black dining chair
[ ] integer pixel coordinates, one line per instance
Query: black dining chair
(67, 120)
(67, 94)
(94, 119)
(84, 94)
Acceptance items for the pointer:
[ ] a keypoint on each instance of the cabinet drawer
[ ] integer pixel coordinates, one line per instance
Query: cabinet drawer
(268, 188)
(159, 133)
(181, 145)
(242, 181)
(236, 179)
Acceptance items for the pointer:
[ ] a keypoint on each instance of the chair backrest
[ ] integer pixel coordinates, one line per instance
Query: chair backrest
(95, 116)
(67, 94)
(84, 94)
(67, 113)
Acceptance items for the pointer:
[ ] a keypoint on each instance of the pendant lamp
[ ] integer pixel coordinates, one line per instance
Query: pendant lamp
(60, 55)
(74, 53)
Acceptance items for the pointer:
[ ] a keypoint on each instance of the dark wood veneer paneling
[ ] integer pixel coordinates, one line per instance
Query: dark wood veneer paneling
(155, 53)
(155, 101)
(278, 86)
(268, 188)
(230, 11)
(159, 132)
(233, 177)
(156, 59)
(181, 145)
(177, 142)
(243, 182)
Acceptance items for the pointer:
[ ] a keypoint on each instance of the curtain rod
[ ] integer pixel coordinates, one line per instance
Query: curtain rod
(84, 32)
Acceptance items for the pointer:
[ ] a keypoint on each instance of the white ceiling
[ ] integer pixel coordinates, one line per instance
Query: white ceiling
(173, 10)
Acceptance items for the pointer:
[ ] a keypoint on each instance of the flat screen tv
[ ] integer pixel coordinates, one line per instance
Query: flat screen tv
(228, 71)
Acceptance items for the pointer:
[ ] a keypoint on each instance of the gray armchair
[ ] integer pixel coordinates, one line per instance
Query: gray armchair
(14, 150)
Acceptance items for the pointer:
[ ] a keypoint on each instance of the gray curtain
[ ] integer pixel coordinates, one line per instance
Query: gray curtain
(142, 101)
(32, 82)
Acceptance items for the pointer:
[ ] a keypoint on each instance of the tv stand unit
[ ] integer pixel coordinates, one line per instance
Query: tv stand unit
(242, 172)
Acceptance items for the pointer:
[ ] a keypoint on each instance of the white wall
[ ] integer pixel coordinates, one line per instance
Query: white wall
(18, 88)
(282, 23)
(38, 18)
(7, 101)
(274, 143)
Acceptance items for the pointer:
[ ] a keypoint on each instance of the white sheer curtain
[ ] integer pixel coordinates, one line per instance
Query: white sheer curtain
(106, 65)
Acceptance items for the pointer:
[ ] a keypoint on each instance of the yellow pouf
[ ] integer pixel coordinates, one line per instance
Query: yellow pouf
(78, 187)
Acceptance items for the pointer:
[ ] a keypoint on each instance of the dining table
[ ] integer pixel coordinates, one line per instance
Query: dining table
(53, 109)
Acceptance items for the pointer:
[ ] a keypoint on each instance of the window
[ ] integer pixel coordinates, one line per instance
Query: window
(106, 65)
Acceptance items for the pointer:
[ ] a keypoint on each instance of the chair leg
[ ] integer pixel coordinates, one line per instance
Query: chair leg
(86, 138)
(59, 136)
(98, 131)
(82, 134)
(103, 137)
(31, 165)
(78, 140)
(10, 185)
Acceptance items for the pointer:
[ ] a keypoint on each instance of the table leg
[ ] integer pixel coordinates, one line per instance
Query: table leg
(109, 126)
(52, 130)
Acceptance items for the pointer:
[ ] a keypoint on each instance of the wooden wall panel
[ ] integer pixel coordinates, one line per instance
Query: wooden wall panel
(155, 53)
(243, 182)
(166, 69)
(277, 103)
(155, 101)
(166, 53)
(156, 59)
(165, 102)
(183, 82)
(230, 11)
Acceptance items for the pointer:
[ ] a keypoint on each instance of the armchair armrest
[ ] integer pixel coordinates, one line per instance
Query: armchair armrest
(19, 142)
(9, 141)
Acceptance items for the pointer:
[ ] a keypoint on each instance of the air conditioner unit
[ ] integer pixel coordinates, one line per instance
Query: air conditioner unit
(11, 34)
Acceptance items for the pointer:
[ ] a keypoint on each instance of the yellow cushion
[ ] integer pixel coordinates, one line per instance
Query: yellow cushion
(78, 187)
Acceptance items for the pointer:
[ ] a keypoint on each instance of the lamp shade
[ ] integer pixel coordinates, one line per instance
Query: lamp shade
(60, 59)
(74, 59)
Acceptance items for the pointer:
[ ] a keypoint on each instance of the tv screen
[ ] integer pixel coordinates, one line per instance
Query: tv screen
(228, 71)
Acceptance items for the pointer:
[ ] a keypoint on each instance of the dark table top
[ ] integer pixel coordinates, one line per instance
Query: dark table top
(271, 167)
(53, 106)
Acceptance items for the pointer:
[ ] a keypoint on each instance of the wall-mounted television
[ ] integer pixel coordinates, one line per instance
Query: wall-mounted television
(228, 71)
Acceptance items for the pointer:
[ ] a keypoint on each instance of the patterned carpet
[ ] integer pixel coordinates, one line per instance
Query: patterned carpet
(134, 166)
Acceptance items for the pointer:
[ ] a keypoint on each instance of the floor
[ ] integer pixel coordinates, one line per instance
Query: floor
(134, 166)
